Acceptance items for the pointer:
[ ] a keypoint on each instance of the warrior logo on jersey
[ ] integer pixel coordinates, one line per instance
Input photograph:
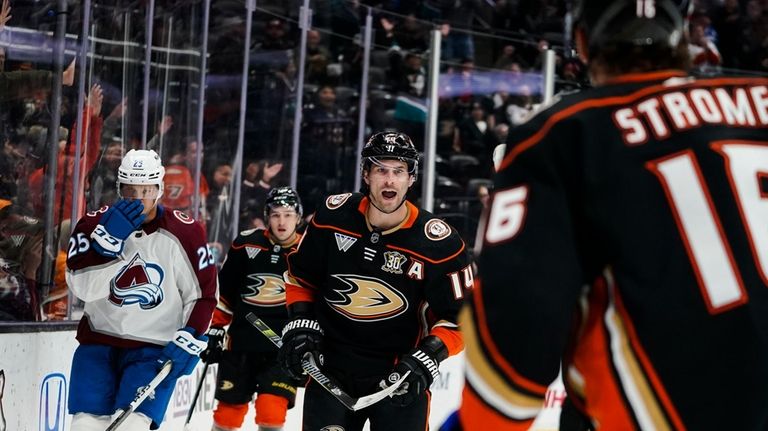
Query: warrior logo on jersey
(138, 282)
(336, 201)
(268, 290)
(437, 229)
(393, 262)
(366, 299)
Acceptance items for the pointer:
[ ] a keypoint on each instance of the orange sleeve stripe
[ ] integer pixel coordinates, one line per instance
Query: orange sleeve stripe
(426, 258)
(476, 415)
(603, 393)
(650, 372)
(596, 103)
(328, 226)
(220, 318)
(496, 356)
(295, 293)
(450, 337)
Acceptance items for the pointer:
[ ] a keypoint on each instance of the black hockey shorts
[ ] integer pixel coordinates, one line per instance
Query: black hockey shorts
(241, 374)
(323, 411)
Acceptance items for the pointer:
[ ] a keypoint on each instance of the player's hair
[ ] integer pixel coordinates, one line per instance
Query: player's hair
(617, 60)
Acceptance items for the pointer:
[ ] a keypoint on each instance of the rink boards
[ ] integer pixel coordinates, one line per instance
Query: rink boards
(35, 380)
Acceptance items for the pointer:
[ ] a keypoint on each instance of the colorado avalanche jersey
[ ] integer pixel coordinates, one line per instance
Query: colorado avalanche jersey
(628, 236)
(251, 281)
(376, 294)
(164, 280)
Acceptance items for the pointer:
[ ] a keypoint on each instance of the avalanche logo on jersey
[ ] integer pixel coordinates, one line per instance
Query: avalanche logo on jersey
(138, 282)
(366, 299)
(393, 261)
(267, 291)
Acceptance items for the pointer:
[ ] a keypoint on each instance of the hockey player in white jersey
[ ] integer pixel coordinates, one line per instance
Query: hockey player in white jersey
(149, 285)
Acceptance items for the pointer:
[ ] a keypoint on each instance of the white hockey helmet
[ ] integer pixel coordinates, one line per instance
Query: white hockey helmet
(141, 167)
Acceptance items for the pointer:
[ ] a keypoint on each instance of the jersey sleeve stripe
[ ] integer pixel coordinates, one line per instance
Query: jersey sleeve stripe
(450, 336)
(328, 226)
(667, 407)
(596, 103)
(433, 261)
(238, 247)
(490, 385)
(496, 356)
(477, 415)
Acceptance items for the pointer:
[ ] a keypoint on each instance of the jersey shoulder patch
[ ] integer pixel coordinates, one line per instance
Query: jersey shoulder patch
(248, 232)
(335, 201)
(437, 230)
(183, 217)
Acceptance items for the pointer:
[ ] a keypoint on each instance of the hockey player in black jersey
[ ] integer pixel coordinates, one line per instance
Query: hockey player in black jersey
(627, 237)
(251, 281)
(373, 292)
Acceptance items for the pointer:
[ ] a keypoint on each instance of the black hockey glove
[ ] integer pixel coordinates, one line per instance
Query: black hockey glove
(212, 355)
(301, 336)
(423, 362)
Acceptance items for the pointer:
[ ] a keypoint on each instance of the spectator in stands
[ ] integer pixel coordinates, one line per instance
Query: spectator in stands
(509, 56)
(457, 17)
(318, 57)
(702, 49)
(410, 76)
(754, 52)
(409, 34)
(12, 164)
(522, 106)
(20, 254)
(65, 170)
(180, 180)
(257, 181)
(474, 136)
(274, 37)
(103, 178)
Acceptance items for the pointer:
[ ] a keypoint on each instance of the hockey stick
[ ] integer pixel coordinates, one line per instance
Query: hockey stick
(310, 366)
(197, 395)
(141, 394)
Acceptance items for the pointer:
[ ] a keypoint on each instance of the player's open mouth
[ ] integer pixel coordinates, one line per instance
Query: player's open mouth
(389, 194)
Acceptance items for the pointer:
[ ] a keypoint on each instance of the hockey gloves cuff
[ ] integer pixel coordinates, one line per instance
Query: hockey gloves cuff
(301, 336)
(115, 225)
(213, 353)
(182, 351)
(423, 362)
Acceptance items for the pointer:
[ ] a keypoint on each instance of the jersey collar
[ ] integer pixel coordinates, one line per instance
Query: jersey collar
(413, 213)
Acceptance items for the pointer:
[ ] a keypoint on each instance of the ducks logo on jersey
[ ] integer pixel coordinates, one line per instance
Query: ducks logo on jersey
(366, 299)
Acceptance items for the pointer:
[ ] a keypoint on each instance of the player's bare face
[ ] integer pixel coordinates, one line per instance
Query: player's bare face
(388, 181)
(146, 193)
(282, 224)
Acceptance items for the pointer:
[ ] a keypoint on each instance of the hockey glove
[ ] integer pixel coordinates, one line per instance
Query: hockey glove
(423, 362)
(301, 336)
(182, 351)
(213, 353)
(115, 225)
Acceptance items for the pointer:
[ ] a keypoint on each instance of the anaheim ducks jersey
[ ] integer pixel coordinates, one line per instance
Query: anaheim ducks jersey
(640, 207)
(165, 279)
(251, 281)
(376, 294)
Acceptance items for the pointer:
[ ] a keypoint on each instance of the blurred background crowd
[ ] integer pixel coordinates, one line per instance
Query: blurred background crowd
(219, 104)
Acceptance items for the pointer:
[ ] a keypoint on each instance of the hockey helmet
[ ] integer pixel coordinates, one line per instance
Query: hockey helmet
(282, 197)
(631, 22)
(390, 146)
(141, 167)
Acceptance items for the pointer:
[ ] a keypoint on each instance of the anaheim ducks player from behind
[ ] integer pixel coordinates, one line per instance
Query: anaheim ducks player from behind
(373, 292)
(149, 286)
(252, 282)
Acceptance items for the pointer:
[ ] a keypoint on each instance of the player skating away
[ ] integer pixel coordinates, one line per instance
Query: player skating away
(144, 272)
(374, 290)
(252, 282)
(649, 189)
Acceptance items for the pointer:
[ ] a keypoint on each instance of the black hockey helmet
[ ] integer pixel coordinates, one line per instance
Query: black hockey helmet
(390, 146)
(631, 22)
(282, 197)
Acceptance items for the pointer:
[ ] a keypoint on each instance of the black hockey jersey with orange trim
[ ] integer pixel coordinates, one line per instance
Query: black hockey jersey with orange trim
(653, 193)
(251, 281)
(377, 294)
